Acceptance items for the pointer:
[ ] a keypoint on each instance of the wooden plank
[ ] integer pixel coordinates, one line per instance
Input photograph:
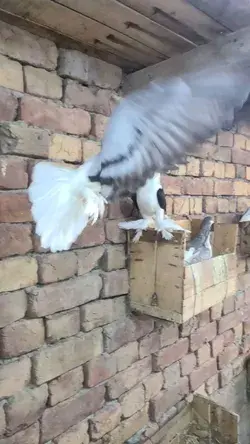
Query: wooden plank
(228, 49)
(78, 27)
(232, 14)
(182, 13)
(129, 22)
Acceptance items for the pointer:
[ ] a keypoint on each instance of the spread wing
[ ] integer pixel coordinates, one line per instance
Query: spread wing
(153, 129)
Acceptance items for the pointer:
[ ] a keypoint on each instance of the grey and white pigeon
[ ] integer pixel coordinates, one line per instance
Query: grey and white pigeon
(150, 200)
(199, 248)
(246, 216)
(149, 131)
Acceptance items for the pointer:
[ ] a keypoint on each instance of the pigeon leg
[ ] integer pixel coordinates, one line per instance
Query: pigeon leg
(166, 226)
(138, 225)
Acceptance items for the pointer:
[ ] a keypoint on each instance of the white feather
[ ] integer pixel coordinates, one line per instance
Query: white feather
(246, 216)
(63, 201)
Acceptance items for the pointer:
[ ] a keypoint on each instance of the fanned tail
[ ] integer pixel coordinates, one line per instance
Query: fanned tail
(63, 201)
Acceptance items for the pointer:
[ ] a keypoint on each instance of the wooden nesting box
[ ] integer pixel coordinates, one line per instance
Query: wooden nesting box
(160, 284)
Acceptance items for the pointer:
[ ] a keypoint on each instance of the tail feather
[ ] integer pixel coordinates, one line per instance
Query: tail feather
(64, 202)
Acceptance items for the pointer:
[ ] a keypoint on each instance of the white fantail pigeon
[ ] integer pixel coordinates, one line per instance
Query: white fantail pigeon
(149, 131)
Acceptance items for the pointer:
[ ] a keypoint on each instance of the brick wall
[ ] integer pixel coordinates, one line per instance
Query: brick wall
(76, 366)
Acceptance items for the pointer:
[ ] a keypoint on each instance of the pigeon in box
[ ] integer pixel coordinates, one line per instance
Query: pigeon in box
(199, 248)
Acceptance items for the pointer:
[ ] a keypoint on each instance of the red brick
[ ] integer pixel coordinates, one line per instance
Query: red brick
(181, 205)
(241, 156)
(17, 272)
(21, 337)
(47, 114)
(215, 311)
(84, 97)
(126, 355)
(223, 205)
(153, 385)
(91, 236)
(18, 138)
(52, 298)
(203, 318)
(222, 154)
(128, 378)
(132, 401)
(101, 312)
(225, 375)
(169, 333)
(230, 353)
(210, 205)
(231, 320)
(62, 325)
(56, 267)
(149, 344)
(27, 436)
(240, 172)
(128, 427)
(115, 257)
(14, 376)
(14, 207)
(115, 283)
(105, 420)
(99, 369)
(202, 374)
(12, 307)
(130, 329)
(172, 185)
(229, 170)
(8, 105)
(11, 74)
(229, 337)
(15, 239)
(59, 418)
(25, 407)
(202, 335)
(167, 399)
(198, 186)
(99, 125)
(203, 354)
(42, 83)
(114, 234)
(89, 258)
(13, 173)
(170, 354)
(225, 138)
(188, 363)
(172, 375)
(77, 434)
(217, 345)
(223, 188)
(228, 305)
(65, 386)
(188, 327)
(212, 384)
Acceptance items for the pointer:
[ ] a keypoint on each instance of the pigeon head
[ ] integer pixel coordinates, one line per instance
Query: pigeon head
(207, 224)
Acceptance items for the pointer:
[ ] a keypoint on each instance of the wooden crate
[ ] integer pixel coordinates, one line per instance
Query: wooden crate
(160, 284)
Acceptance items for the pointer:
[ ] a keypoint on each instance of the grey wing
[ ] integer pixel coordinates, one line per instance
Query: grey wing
(153, 129)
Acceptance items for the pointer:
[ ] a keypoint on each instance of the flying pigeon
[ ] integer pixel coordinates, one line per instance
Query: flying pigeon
(199, 248)
(150, 200)
(149, 131)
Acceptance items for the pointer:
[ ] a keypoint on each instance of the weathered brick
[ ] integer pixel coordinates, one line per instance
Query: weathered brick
(228, 305)
(231, 320)
(115, 283)
(215, 311)
(25, 407)
(169, 333)
(193, 167)
(14, 207)
(241, 156)
(114, 234)
(11, 74)
(2, 419)
(129, 427)
(126, 355)
(230, 353)
(42, 83)
(12, 307)
(210, 204)
(91, 236)
(88, 259)
(21, 337)
(172, 185)
(240, 188)
(90, 148)
(128, 378)
(208, 168)
(59, 418)
(189, 327)
(168, 398)
(198, 186)
(223, 188)
(52, 298)
(13, 173)
(229, 337)
(149, 344)
(56, 267)
(99, 125)
(153, 385)
(26, 47)
(225, 138)
(65, 386)
(243, 128)
(66, 148)
(223, 205)
(17, 138)
(89, 70)
(170, 354)
(27, 436)
(225, 375)
(115, 257)
(222, 154)
(203, 354)
(217, 345)
(61, 325)
(95, 101)
(105, 420)
(14, 376)
(181, 205)
(188, 363)
(202, 374)
(77, 434)
(8, 105)
(203, 334)
(172, 375)
(18, 272)
(132, 401)
(240, 141)
(242, 204)
(195, 205)
(50, 362)
(47, 114)
(212, 384)
(121, 332)
(99, 369)
(203, 318)
(229, 170)
(102, 312)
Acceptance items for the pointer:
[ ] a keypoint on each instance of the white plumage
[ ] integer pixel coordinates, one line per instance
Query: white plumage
(150, 131)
